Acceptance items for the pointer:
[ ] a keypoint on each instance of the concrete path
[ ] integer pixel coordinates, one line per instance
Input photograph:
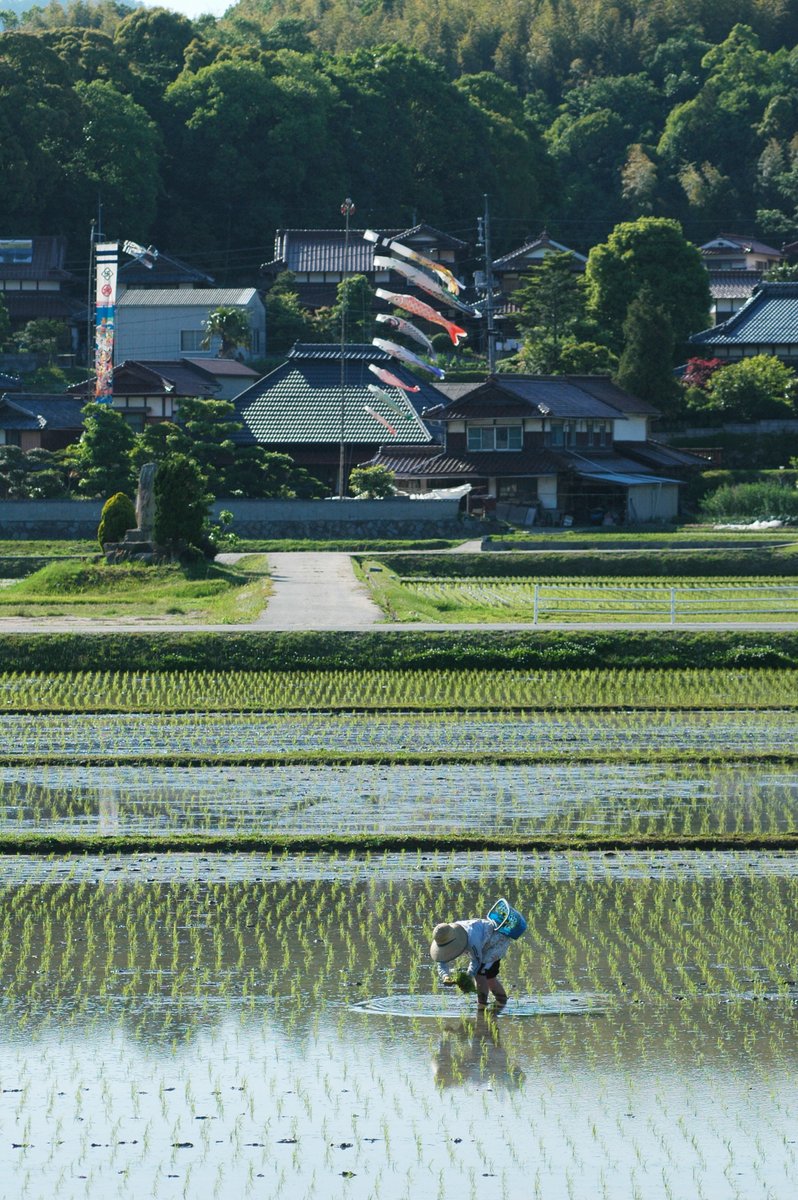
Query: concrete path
(317, 590)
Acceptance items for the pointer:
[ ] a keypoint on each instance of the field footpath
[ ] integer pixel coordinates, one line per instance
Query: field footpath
(318, 590)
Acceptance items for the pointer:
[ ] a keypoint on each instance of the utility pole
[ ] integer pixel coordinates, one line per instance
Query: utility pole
(347, 208)
(483, 224)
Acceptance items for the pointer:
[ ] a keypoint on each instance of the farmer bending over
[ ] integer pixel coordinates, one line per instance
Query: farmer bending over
(485, 946)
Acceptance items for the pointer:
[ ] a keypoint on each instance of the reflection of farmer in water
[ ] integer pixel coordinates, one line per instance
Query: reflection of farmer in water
(471, 1052)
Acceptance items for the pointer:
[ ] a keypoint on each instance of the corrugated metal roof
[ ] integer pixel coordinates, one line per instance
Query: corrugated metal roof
(769, 318)
(186, 297)
(624, 480)
(303, 401)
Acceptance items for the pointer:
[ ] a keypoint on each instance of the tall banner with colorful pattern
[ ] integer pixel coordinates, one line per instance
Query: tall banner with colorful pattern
(107, 256)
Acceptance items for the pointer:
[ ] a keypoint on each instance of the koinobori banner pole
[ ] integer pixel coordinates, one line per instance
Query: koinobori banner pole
(107, 258)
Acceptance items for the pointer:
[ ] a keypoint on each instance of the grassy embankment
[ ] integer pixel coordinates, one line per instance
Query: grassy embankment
(203, 591)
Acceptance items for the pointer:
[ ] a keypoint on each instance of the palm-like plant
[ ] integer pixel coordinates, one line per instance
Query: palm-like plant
(231, 326)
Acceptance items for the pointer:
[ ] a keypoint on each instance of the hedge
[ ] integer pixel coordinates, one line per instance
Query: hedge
(389, 650)
(726, 562)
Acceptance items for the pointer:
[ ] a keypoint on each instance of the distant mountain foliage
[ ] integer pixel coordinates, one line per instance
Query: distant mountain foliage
(205, 136)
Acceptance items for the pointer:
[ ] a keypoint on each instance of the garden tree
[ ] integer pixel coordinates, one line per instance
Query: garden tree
(653, 251)
(645, 368)
(354, 298)
(117, 516)
(182, 505)
(551, 305)
(44, 336)
(375, 483)
(210, 425)
(263, 474)
(753, 389)
(286, 320)
(156, 441)
(699, 371)
(101, 459)
(29, 476)
(230, 326)
(119, 158)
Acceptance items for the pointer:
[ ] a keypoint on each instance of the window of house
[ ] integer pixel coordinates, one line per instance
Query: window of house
(191, 339)
(495, 437)
(560, 433)
(599, 433)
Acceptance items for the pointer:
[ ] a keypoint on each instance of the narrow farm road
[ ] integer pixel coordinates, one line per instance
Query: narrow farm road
(316, 590)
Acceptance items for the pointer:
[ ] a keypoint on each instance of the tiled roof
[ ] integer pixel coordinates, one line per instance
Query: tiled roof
(33, 306)
(306, 250)
(302, 401)
(746, 245)
(731, 285)
(60, 411)
(221, 367)
(769, 318)
(135, 377)
(437, 462)
(47, 261)
(186, 297)
(14, 416)
(559, 396)
(518, 259)
(657, 455)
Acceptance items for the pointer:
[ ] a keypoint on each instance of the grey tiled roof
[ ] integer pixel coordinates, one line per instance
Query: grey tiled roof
(302, 401)
(656, 454)
(59, 411)
(518, 259)
(13, 415)
(306, 250)
(165, 272)
(730, 285)
(559, 396)
(406, 463)
(769, 318)
(747, 245)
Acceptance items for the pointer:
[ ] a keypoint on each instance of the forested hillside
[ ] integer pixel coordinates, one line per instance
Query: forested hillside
(574, 114)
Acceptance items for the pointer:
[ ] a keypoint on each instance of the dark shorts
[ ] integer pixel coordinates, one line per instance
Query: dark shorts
(492, 971)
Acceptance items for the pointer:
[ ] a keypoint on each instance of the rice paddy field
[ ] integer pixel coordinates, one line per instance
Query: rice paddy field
(226, 1024)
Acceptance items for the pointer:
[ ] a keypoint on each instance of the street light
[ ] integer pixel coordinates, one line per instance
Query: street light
(347, 209)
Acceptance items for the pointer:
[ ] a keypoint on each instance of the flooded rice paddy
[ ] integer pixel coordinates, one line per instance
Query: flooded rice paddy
(184, 1026)
(213, 1027)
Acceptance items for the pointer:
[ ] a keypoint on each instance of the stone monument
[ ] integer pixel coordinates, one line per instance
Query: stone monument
(137, 545)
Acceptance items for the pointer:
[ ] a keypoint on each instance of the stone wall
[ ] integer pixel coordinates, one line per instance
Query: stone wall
(397, 518)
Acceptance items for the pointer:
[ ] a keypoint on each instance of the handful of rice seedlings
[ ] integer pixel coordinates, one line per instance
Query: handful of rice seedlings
(465, 982)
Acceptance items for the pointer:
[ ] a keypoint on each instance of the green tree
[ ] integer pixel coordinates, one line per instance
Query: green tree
(646, 364)
(753, 389)
(210, 426)
(153, 41)
(375, 483)
(550, 307)
(157, 441)
(101, 459)
(230, 326)
(44, 336)
(182, 505)
(354, 298)
(286, 320)
(653, 251)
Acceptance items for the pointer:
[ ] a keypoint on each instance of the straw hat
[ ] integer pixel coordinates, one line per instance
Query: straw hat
(448, 941)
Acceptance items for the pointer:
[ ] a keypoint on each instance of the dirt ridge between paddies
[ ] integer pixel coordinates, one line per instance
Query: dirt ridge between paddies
(48, 844)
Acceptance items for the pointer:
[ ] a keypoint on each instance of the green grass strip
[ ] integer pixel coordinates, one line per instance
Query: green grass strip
(99, 844)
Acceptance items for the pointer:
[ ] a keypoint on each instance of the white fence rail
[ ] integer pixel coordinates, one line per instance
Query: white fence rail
(670, 604)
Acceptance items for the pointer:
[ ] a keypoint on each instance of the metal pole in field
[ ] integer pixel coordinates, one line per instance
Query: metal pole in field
(673, 606)
(347, 208)
(535, 610)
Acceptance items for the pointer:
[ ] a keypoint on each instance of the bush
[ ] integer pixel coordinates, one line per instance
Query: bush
(752, 502)
(375, 483)
(118, 515)
(540, 564)
(181, 505)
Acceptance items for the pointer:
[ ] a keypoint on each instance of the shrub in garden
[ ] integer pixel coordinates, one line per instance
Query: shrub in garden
(118, 515)
(375, 483)
(181, 505)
